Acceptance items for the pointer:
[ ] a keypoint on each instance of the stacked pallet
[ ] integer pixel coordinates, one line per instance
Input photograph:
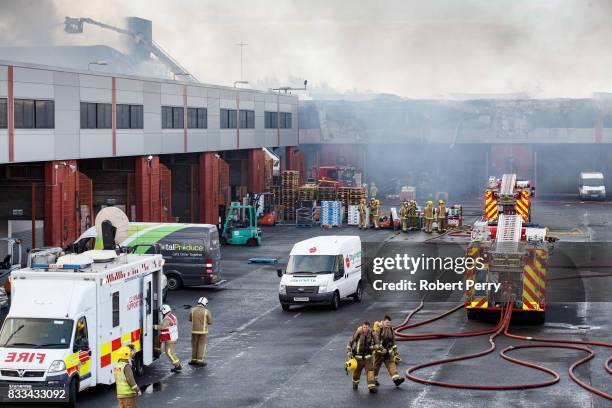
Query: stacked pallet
(331, 213)
(327, 194)
(353, 215)
(304, 216)
(289, 193)
(276, 191)
(356, 194)
(307, 192)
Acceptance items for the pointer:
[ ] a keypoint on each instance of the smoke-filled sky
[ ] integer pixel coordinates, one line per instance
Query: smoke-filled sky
(412, 48)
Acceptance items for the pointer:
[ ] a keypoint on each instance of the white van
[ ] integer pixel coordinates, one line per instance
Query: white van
(68, 319)
(592, 186)
(321, 270)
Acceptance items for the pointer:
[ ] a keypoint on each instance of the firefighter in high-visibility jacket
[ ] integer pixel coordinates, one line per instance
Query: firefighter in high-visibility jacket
(374, 212)
(413, 215)
(169, 336)
(428, 217)
(441, 216)
(127, 389)
(386, 353)
(361, 346)
(362, 209)
(404, 215)
(200, 318)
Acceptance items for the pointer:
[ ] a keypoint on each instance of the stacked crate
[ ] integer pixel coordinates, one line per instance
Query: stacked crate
(331, 213)
(276, 191)
(289, 193)
(308, 192)
(355, 195)
(353, 215)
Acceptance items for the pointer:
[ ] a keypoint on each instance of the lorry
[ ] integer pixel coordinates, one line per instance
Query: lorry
(192, 252)
(591, 186)
(321, 271)
(68, 318)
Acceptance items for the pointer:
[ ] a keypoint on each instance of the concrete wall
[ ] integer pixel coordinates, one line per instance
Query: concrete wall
(68, 141)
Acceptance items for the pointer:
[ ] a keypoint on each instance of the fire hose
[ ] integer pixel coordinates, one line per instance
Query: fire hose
(501, 327)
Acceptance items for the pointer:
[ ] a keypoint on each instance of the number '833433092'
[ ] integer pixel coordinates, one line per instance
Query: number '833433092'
(27, 393)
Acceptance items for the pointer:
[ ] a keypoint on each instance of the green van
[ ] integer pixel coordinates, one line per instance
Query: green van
(192, 252)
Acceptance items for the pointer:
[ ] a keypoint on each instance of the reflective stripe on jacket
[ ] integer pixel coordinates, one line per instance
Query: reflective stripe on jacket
(200, 318)
(124, 389)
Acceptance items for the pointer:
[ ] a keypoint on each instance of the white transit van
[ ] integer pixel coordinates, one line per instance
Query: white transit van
(67, 320)
(322, 270)
(592, 186)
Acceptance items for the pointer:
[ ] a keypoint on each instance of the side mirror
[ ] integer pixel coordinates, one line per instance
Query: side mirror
(279, 272)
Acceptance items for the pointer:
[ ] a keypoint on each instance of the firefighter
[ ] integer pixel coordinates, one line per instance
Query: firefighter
(387, 352)
(169, 336)
(127, 389)
(428, 217)
(362, 207)
(413, 215)
(374, 212)
(200, 318)
(373, 190)
(361, 346)
(404, 215)
(441, 216)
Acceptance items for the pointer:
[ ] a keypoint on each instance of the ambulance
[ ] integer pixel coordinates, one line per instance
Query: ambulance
(69, 317)
(322, 270)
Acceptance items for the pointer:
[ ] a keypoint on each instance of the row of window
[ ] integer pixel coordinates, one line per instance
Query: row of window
(40, 114)
(274, 120)
(173, 118)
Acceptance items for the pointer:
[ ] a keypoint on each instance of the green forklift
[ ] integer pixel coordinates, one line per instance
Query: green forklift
(240, 227)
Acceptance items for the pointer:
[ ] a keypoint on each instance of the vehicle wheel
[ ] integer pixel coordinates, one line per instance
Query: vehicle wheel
(138, 365)
(72, 393)
(472, 314)
(285, 307)
(358, 295)
(335, 303)
(174, 282)
(252, 242)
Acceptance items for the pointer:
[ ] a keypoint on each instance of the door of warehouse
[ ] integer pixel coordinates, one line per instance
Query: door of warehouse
(85, 202)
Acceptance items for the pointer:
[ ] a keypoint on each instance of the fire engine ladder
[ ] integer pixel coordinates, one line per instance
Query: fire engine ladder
(506, 189)
(509, 228)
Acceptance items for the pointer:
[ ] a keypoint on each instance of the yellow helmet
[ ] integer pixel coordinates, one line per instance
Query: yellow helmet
(440, 202)
(376, 326)
(350, 365)
(124, 353)
(429, 202)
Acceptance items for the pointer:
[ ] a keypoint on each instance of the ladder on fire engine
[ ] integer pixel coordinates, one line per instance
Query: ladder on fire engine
(509, 228)
(506, 189)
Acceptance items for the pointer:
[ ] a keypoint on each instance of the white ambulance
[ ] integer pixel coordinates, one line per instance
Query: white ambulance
(321, 270)
(68, 319)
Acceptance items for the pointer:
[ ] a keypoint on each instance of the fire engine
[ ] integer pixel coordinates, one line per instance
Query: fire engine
(508, 194)
(511, 252)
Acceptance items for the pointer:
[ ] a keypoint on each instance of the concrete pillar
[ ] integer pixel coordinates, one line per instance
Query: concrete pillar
(147, 182)
(61, 203)
(256, 171)
(209, 188)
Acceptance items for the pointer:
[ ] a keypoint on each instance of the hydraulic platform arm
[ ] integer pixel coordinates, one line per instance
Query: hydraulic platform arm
(75, 26)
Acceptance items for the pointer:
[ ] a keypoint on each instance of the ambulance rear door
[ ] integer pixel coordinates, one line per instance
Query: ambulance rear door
(147, 319)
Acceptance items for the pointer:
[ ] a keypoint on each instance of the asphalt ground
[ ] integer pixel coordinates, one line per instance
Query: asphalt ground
(260, 356)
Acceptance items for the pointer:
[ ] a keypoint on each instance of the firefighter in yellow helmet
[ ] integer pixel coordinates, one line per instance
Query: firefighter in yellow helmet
(374, 212)
(413, 215)
(362, 209)
(441, 216)
(360, 346)
(200, 318)
(428, 217)
(127, 389)
(387, 352)
(404, 215)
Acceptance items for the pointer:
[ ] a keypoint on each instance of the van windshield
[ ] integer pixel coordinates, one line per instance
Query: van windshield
(592, 182)
(311, 264)
(36, 333)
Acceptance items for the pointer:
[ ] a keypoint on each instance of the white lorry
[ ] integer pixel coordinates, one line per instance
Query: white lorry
(321, 270)
(68, 319)
(592, 186)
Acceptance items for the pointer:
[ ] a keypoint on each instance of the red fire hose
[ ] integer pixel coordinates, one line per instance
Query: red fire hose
(501, 327)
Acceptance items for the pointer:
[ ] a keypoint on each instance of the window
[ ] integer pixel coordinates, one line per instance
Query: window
(129, 116)
(196, 118)
(284, 120)
(31, 114)
(228, 119)
(81, 340)
(177, 118)
(45, 114)
(288, 122)
(247, 119)
(271, 120)
(3, 114)
(115, 309)
(24, 113)
(166, 117)
(96, 115)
